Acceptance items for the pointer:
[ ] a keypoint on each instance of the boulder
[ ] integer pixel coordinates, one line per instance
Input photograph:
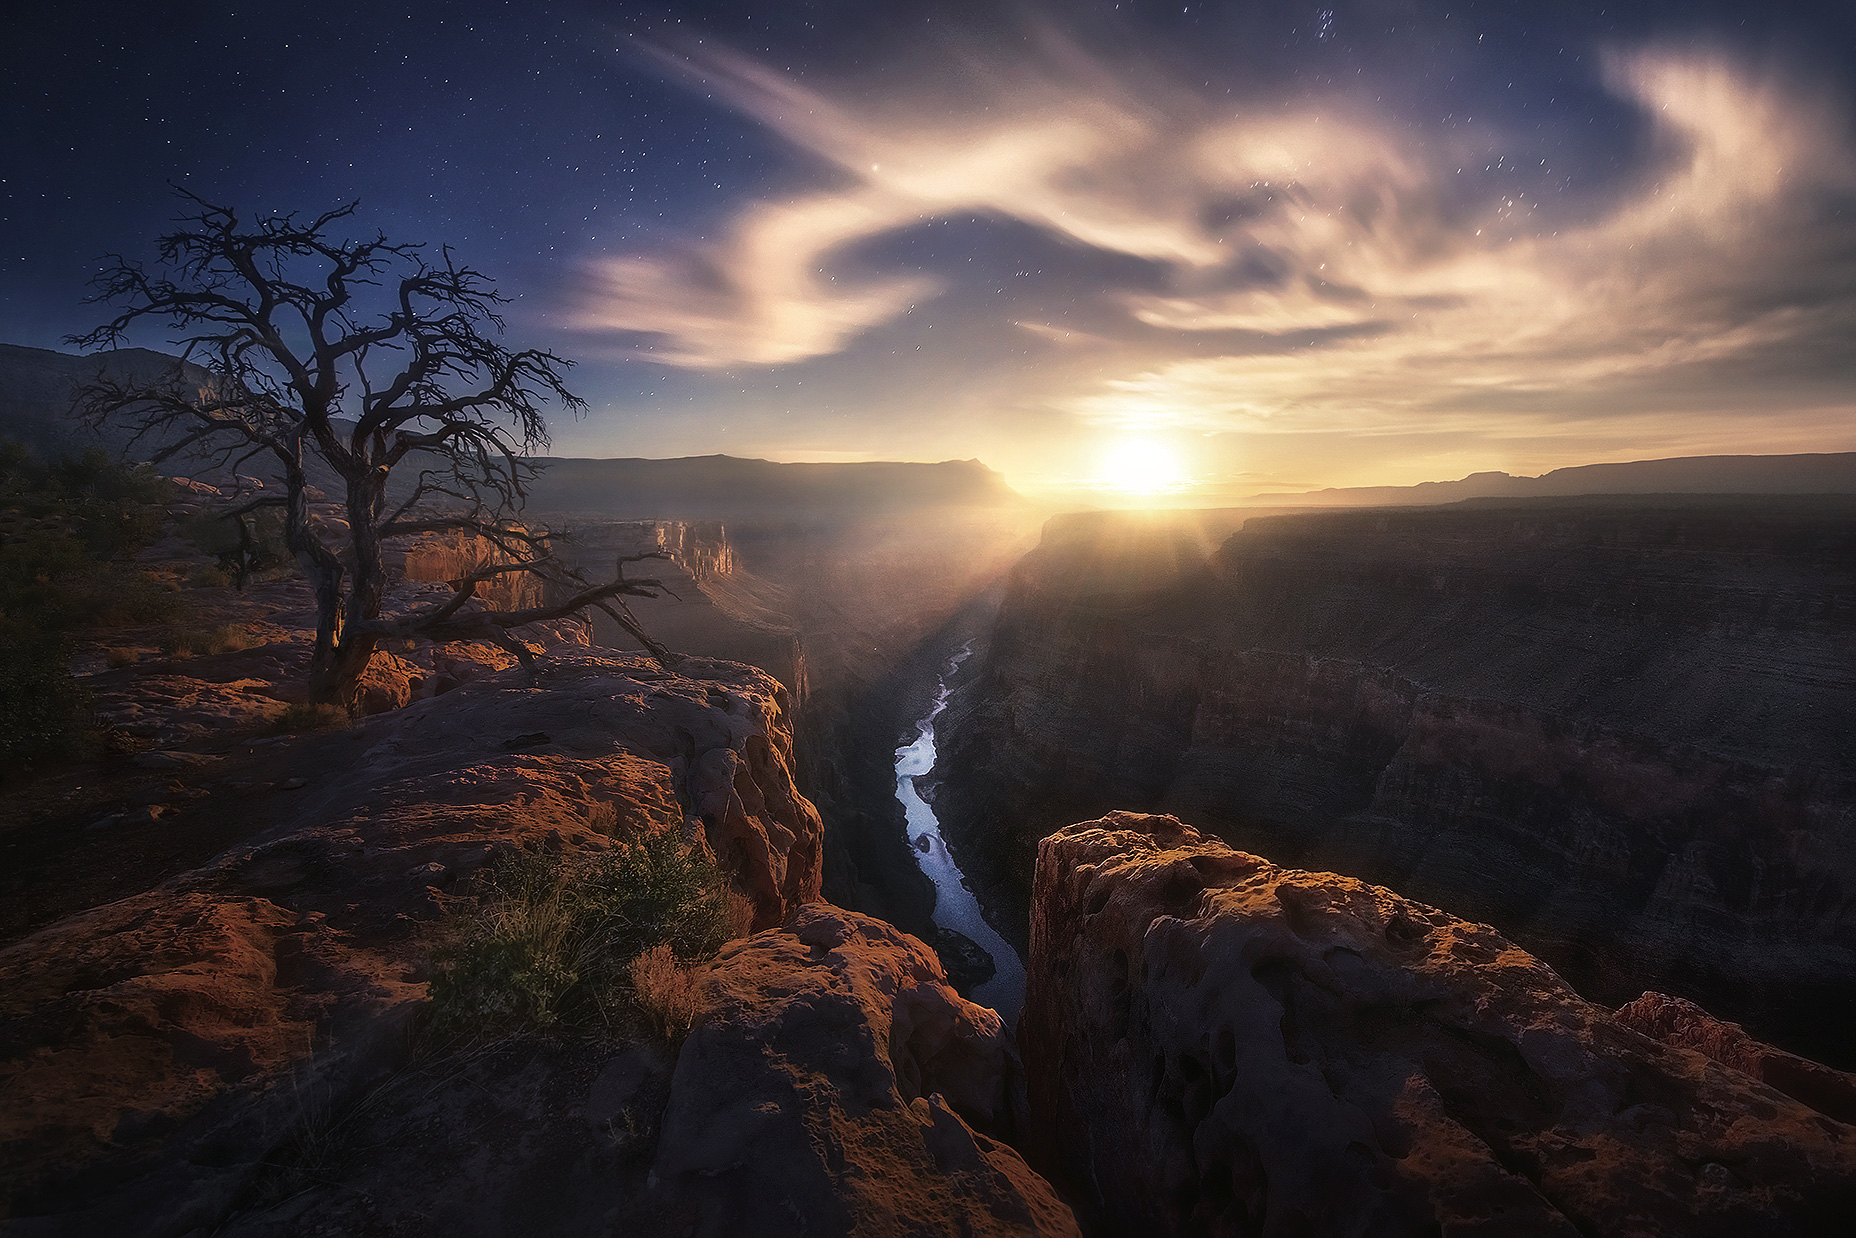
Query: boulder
(836, 1084)
(1218, 1045)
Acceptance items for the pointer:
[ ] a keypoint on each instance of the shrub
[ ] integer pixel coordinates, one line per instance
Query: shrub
(113, 509)
(119, 657)
(207, 576)
(550, 943)
(186, 642)
(309, 716)
(664, 992)
(60, 525)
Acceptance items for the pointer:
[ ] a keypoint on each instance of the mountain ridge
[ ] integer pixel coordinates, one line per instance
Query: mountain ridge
(1793, 473)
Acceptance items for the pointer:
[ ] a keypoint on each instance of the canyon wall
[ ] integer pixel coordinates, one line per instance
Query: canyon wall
(1620, 732)
(1218, 1045)
(708, 605)
(452, 556)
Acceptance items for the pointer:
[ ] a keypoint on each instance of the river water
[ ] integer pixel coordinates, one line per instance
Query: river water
(955, 907)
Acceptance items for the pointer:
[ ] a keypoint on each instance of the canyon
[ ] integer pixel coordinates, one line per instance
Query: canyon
(1616, 729)
(1584, 765)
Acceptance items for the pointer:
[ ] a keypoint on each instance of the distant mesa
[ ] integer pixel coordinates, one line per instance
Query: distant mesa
(1814, 473)
(36, 387)
(729, 487)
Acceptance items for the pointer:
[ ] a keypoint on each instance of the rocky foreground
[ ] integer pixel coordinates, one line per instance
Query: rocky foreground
(1218, 1045)
(1211, 1044)
(155, 1051)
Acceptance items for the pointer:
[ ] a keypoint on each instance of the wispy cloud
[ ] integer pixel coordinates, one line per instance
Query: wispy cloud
(1720, 256)
(1366, 287)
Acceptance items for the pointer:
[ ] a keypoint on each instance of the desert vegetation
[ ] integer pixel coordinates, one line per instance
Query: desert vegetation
(67, 531)
(586, 945)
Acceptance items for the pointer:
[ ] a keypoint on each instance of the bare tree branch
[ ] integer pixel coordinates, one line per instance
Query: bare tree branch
(358, 356)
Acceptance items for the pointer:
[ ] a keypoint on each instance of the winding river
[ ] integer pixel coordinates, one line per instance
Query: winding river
(955, 906)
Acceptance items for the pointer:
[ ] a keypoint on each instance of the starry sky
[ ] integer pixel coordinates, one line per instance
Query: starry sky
(1187, 251)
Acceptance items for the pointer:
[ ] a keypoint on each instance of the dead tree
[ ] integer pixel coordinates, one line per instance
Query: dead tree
(370, 356)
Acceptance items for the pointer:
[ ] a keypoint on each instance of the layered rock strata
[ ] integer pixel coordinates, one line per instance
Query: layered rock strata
(1620, 733)
(836, 1084)
(155, 1050)
(1218, 1045)
(707, 604)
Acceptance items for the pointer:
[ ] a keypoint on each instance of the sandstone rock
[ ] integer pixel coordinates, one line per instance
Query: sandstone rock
(833, 1085)
(154, 1050)
(1675, 1021)
(1215, 1044)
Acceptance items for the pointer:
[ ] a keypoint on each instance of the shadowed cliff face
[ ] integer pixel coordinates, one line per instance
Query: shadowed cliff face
(710, 605)
(833, 1085)
(1620, 733)
(1218, 1045)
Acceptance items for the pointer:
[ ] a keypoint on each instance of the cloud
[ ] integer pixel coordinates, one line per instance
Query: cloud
(764, 295)
(1716, 263)
(1067, 149)
(1376, 281)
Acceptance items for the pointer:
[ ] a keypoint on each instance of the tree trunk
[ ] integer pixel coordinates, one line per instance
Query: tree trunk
(353, 651)
(323, 570)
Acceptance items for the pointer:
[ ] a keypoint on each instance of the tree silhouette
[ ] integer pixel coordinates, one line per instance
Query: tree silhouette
(371, 356)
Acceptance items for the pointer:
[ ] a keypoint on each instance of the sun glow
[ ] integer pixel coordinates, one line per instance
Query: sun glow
(1142, 466)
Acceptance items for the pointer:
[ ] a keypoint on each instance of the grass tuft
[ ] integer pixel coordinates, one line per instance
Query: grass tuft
(209, 576)
(550, 943)
(664, 992)
(309, 716)
(187, 642)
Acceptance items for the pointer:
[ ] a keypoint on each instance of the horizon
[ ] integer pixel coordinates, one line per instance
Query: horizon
(1134, 500)
(1124, 254)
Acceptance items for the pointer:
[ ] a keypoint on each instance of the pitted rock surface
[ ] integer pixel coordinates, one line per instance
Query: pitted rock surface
(156, 1048)
(1215, 1044)
(836, 1084)
(1677, 1021)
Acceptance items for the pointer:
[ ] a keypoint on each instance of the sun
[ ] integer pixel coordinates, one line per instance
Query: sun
(1143, 466)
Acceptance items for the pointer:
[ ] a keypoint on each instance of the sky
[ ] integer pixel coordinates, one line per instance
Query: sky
(1176, 252)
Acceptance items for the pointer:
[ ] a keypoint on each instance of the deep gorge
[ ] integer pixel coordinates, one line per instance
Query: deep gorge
(1617, 731)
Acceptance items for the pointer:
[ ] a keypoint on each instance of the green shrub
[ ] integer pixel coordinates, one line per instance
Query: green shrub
(113, 509)
(549, 943)
(309, 716)
(50, 580)
(208, 576)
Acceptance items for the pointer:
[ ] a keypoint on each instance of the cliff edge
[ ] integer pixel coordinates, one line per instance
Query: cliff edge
(1219, 1045)
(157, 1050)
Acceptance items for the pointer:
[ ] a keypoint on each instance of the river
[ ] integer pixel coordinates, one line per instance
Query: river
(955, 907)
